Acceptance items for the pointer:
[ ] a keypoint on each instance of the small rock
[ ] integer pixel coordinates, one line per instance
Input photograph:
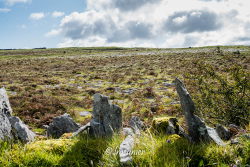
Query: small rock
(168, 84)
(223, 132)
(233, 129)
(165, 125)
(136, 124)
(45, 126)
(235, 141)
(175, 102)
(82, 129)
(84, 113)
(60, 125)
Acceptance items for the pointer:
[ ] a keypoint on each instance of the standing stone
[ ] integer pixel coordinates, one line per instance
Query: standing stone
(4, 103)
(21, 130)
(5, 111)
(107, 118)
(197, 129)
(60, 125)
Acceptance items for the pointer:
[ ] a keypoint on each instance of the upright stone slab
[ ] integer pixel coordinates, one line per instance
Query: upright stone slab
(197, 129)
(4, 102)
(107, 118)
(5, 111)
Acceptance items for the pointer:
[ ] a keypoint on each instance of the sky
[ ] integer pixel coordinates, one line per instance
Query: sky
(126, 23)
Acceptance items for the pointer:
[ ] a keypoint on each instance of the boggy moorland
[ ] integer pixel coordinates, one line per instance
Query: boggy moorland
(45, 83)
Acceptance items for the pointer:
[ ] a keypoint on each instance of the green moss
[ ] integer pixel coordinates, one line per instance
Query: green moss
(160, 125)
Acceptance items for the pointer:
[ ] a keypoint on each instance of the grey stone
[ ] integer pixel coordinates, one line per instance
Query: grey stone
(5, 111)
(60, 125)
(21, 131)
(235, 141)
(136, 124)
(5, 127)
(82, 129)
(126, 147)
(214, 136)
(197, 129)
(106, 117)
(4, 102)
(84, 113)
(168, 84)
(174, 102)
(125, 150)
(128, 131)
(129, 91)
(223, 132)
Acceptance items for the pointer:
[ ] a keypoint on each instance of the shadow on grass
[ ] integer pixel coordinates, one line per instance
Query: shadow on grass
(180, 152)
(86, 152)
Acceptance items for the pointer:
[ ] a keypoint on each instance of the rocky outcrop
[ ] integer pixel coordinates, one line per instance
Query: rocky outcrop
(21, 131)
(197, 129)
(60, 125)
(106, 117)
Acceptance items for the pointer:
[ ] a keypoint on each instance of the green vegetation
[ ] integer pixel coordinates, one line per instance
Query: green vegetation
(44, 83)
(149, 150)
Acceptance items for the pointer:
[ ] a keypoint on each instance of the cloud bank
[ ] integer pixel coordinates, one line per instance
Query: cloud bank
(156, 23)
(13, 2)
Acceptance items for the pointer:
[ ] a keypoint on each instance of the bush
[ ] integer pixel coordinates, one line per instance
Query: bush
(223, 96)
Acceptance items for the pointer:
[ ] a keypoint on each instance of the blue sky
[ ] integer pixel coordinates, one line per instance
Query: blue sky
(127, 23)
(18, 30)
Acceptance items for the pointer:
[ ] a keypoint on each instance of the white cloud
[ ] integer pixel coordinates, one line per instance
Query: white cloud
(156, 23)
(52, 33)
(56, 14)
(37, 16)
(13, 2)
(4, 10)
